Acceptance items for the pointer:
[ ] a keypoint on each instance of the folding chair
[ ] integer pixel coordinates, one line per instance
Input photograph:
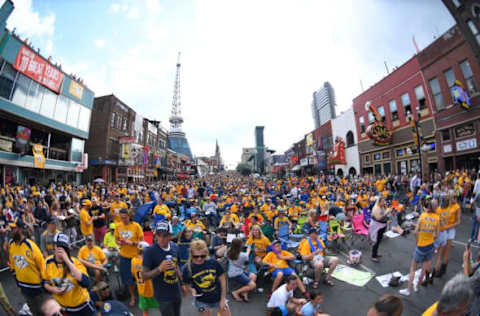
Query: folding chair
(284, 237)
(360, 232)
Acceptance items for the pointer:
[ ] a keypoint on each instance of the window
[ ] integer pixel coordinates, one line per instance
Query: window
(450, 77)
(73, 113)
(76, 150)
(124, 125)
(20, 90)
(361, 120)
(84, 118)
(61, 109)
(386, 155)
(48, 104)
(468, 75)
(422, 102)
(350, 139)
(387, 168)
(378, 169)
(437, 94)
(113, 120)
(381, 111)
(377, 156)
(445, 135)
(393, 110)
(474, 30)
(7, 79)
(407, 107)
(118, 124)
(34, 97)
(400, 152)
(371, 118)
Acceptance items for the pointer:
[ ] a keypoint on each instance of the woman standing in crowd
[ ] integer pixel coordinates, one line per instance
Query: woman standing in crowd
(378, 225)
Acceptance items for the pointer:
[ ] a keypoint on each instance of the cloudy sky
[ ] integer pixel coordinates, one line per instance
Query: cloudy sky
(244, 62)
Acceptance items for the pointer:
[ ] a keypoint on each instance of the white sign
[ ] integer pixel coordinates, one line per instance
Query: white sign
(303, 162)
(447, 148)
(467, 144)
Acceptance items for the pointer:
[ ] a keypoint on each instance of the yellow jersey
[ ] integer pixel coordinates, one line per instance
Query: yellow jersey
(443, 214)
(453, 213)
(272, 258)
(427, 227)
(233, 219)
(115, 208)
(162, 210)
(76, 296)
(197, 226)
(145, 287)
(131, 232)
(304, 248)
(94, 255)
(260, 245)
(27, 262)
(86, 229)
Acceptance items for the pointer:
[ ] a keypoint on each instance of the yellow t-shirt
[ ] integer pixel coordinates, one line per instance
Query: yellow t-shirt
(145, 287)
(84, 227)
(233, 219)
(27, 261)
(281, 221)
(428, 225)
(443, 214)
(115, 208)
(132, 232)
(305, 250)
(75, 295)
(162, 210)
(429, 311)
(272, 258)
(94, 255)
(260, 245)
(453, 210)
(197, 226)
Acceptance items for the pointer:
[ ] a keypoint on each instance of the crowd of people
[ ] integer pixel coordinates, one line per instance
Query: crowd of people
(226, 235)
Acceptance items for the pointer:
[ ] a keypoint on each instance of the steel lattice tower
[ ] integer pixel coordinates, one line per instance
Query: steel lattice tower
(177, 140)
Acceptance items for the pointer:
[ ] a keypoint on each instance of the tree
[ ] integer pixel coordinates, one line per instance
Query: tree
(244, 169)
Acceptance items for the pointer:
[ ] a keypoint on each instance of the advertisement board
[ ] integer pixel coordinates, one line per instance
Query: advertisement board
(35, 67)
(76, 89)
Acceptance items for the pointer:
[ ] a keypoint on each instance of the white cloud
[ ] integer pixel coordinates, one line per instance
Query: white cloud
(117, 7)
(29, 23)
(99, 43)
(153, 6)
(133, 13)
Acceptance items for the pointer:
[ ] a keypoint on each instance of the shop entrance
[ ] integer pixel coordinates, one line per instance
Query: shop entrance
(469, 161)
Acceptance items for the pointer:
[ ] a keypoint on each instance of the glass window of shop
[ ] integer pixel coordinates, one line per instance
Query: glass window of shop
(7, 78)
(422, 102)
(48, 104)
(61, 109)
(84, 118)
(393, 110)
(73, 113)
(387, 168)
(76, 150)
(34, 97)
(378, 169)
(450, 77)
(468, 75)
(381, 111)
(406, 104)
(20, 90)
(361, 120)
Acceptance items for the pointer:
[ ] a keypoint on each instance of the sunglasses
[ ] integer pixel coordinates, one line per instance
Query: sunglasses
(199, 257)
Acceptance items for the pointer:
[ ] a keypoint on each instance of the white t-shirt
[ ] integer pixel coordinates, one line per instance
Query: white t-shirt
(280, 297)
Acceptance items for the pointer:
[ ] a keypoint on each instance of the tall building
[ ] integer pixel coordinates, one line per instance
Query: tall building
(323, 105)
(177, 140)
(260, 145)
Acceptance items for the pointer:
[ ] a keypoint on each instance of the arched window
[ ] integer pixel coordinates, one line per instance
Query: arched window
(350, 139)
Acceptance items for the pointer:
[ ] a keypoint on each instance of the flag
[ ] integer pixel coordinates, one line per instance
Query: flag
(415, 44)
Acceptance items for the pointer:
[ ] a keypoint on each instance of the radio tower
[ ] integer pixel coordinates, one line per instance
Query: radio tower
(177, 140)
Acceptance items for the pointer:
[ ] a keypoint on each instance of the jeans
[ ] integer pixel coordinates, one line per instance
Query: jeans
(475, 227)
(170, 308)
(379, 239)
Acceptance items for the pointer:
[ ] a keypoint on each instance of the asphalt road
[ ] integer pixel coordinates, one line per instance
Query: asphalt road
(343, 299)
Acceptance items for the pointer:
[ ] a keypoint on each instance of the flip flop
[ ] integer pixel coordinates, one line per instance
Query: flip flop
(315, 285)
(328, 282)
(237, 298)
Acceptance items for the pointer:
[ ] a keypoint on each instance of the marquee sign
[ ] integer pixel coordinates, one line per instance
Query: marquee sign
(378, 131)
(460, 95)
(38, 69)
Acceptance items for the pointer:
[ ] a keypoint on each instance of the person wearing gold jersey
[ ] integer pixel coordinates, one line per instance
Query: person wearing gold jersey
(454, 215)
(146, 300)
(127, 235)
(427, 229)
(161, 212)
(86, 222)
(260, 243)
(27, 263)
(441, 242)
(115, 208)
(66, 278)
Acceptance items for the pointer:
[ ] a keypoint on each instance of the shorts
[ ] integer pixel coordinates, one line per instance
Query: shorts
(422, 254)
(441, 239)
(243, 278)
(326, 260)
(285, 271)
(201, 306)
(451, 232)
(146, 303)
(99, 233)
(126, 271)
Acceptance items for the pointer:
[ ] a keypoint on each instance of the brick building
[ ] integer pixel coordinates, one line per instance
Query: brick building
(398, 97)
(447, 59)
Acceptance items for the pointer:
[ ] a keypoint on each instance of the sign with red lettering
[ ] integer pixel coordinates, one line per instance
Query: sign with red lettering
(38, 69)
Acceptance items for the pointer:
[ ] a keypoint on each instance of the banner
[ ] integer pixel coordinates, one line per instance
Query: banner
(157, 161)
(378, 131)
(337, 157)
(23, 137)
(76, 89)
(126, 148)
(38, 157)
(38, 69)
(145, 156)
(309, 140)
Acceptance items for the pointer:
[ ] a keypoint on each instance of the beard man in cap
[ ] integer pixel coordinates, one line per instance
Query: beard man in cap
(28, 264)
(160, 263)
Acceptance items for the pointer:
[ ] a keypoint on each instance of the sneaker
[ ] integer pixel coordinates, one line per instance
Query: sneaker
(115, 269)
(415, 287)
(404, 292)
(260, 290)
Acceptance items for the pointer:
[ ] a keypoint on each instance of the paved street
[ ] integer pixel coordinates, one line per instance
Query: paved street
(343, 299)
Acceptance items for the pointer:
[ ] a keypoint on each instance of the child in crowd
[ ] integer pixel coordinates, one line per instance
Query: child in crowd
(146, 300)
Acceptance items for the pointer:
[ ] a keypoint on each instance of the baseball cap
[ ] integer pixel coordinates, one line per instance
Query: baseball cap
(142, 245)
(62, 240)
(51, 220)
(123, 211)
(111, 226)
(163, 227)
(89, 237)
(114, 308)
(87, 203)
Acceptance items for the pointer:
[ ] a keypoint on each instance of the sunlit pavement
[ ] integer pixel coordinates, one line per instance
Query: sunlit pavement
(342, 299)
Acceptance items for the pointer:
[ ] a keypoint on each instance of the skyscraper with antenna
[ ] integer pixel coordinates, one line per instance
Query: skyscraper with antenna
(177, 140)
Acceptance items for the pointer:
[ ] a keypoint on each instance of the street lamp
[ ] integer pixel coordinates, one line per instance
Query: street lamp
(417, 137)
